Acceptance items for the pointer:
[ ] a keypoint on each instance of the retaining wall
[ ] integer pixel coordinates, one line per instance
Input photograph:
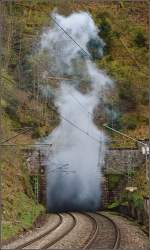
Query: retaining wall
(118, 160)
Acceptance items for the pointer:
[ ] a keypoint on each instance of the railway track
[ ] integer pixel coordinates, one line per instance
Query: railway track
(83, 232)
(63, 234)
(67, 227)
(38, 242)
(107, 234)
(29, 242)
(116, 244)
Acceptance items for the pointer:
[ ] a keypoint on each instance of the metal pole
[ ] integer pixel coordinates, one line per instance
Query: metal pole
(0, 118)
(148, 165)
(1, 29)
(146, 162)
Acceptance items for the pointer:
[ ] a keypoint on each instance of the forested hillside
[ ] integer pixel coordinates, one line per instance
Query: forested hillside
(124, 28)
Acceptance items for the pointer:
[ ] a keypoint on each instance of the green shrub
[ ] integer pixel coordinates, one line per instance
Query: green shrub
(113, 205)
(131, 173)
(127, 95)
(140, 39)
(136, 199)
(113, 181)
(129, 121)
(39, 132)
(132, 123)
(145, 97)
(27, 212)
(105, 33)
(105, 28)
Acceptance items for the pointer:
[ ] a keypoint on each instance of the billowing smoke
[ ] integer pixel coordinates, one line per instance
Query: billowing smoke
(74, 166)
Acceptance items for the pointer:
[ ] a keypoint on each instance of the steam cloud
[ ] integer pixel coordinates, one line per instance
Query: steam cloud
(74, 166)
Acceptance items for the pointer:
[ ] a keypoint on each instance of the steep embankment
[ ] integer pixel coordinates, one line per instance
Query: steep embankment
(20, 108)
(19, 207)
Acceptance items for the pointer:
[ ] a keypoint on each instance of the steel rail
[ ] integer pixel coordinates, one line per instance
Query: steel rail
(117, 231)
(42, 235)
(93, 234)
(87, 244)
(116, 243)
(47, 246)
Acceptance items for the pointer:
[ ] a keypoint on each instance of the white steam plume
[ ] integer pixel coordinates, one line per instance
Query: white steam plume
(74, 167)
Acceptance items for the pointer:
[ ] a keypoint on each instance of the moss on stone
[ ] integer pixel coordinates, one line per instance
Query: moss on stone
(113, 181)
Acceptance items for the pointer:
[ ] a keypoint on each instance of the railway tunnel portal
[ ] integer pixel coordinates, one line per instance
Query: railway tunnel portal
(117, 161)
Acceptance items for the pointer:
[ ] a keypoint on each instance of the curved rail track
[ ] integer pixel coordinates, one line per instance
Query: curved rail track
(93, 233)
(48, 245)
(117, 231)
(84, 231)
(95, 241)
(29, 242)
(102, 228)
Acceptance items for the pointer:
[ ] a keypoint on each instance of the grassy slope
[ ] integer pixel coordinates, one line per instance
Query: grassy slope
(19, 208)
(126, 63)
(24, 20)
(124, 60)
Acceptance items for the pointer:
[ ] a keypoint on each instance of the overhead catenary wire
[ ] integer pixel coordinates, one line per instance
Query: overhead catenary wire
(71, 123)
(62, 78)
(75, 126)
(3, 142)
(25, 130)
(89, 57)
(67, 120)
(83, 51)
(105, 125)
(64, 118)
(76, 99)
(54, 20)
(121, 133)
(82, 106)
(26, 144)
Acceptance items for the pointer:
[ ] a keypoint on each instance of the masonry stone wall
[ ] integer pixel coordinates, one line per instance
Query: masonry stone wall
(118, 160)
